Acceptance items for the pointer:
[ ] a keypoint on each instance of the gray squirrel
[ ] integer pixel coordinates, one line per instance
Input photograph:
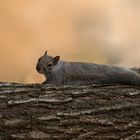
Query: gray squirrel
(57, 71)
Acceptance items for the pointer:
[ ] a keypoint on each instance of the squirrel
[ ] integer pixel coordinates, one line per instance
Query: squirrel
(57, 71)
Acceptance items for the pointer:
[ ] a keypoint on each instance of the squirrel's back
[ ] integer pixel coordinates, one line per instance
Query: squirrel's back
(96, 73)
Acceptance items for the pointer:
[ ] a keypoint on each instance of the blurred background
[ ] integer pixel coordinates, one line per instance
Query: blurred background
(100, 31)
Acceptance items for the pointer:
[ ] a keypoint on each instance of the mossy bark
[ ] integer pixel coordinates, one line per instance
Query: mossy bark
(35, 111)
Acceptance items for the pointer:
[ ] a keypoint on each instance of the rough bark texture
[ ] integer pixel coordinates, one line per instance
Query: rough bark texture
(69, 112)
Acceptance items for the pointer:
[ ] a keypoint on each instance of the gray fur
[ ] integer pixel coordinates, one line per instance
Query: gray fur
(64, 72)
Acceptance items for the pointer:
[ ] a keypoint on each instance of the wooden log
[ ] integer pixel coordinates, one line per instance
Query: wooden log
(70, 112)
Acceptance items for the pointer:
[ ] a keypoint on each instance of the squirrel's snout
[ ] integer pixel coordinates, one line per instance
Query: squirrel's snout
(37, 68)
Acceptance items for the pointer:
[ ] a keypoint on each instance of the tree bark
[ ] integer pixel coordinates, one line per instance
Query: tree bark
(35, 111)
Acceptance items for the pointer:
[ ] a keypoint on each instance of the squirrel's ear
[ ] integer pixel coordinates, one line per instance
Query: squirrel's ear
(46, 53)
(56, 59)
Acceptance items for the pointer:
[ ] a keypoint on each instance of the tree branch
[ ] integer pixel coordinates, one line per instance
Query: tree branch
(35, 111)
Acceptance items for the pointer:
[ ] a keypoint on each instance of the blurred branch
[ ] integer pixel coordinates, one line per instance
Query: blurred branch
(69, 112)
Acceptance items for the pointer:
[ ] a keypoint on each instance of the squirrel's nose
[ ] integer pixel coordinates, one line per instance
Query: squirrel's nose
(37, 68)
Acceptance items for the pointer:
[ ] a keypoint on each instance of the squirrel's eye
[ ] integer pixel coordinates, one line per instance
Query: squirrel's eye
(50, 64)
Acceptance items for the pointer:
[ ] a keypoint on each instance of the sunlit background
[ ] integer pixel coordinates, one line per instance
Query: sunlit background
(100, 31)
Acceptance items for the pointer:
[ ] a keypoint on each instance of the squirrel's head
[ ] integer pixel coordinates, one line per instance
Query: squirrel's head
(46, 63)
